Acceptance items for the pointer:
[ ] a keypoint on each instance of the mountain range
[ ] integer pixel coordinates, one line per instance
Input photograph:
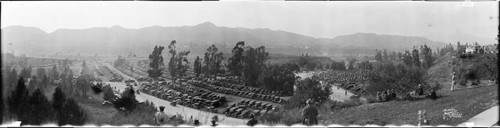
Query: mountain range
(117, 40)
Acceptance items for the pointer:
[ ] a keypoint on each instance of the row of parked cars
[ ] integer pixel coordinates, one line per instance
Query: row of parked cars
(242, 111)
(237, 92)
(203, 101)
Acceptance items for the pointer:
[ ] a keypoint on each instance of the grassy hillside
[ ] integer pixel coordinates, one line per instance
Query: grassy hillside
(467, 102)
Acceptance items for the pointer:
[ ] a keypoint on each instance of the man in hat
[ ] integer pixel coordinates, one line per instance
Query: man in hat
(160, 117)
(252, 121)
(310, 112)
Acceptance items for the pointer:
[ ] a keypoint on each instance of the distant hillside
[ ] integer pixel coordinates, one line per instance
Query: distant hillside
(365, 41)
(117, 40)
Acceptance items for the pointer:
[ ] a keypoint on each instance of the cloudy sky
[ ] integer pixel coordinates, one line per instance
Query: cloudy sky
(316, 19)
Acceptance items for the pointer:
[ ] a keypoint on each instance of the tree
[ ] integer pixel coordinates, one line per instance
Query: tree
(108, 94)
(278, 78)
(235, 65)
(416, 58)
(378, 56)
(212, 60)
(197, 66)
(182, 64)
(385, 56)
(71, 114)
(40, 72)
(54, 73)
(365, 65)
(253, 66)
(427, 53)
(18, 100)
(26, 72)
(178, 64)
(156, 62)
(309, 88)
(351, 63)
(58, 99)
(40, 109)
(407, 58)
(83, 85)
(127, 100)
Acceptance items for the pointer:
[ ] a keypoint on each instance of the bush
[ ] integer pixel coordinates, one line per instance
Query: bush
(126, 101)
(58, 99)
(108, 94)
(71, 114)
(97, 88)
(308, 89)
(40, 109)
(17, 102)
(402, 78)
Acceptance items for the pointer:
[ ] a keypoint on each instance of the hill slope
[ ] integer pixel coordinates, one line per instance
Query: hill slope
(117, 40)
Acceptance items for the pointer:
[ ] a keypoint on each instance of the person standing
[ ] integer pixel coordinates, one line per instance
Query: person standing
(310, 112)
(453, 81)
(160, 117)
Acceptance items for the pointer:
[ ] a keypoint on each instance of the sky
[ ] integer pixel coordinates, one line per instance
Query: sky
(315, 19)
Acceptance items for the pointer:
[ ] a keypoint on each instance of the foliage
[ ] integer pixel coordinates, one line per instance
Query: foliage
(337, 65)
(351, 64)
(178, 64)
(58, 99)
(235, 65)
(71, 114)
(427, 53)
(212, 60)
(40, 109)
(127, 100)
(309, 88)
(365, 65)
(378, 56)
(197, 66)
(254, 64)
(119, 62)
(156, 62)
(278, 78)
(18, 100)
(83, 84)
(416, 58)
(108, 94)
(54, 73)
(401, 78)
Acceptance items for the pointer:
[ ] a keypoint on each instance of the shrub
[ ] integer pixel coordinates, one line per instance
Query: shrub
(108, 94)
(17, 102)
(402, 78)
(58, 99)
(71, 114)
(40, 109)
(127, 100)
(309, 88)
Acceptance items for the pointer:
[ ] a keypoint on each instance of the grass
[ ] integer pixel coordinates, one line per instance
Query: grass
(469, 103)
(107, 115)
